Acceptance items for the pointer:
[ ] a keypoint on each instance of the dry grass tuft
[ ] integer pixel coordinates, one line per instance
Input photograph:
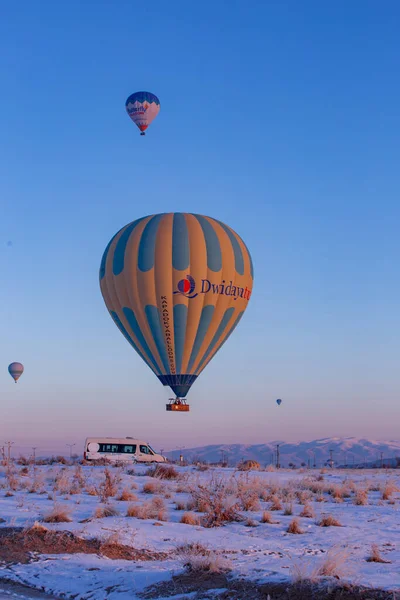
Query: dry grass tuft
(294, 526)
(102, 512)
(127, 496)
(180, 504)
(388, 489)
(288, 510)
(329, 521)
(361, 498)
(215, 501)
(189, 518)
(249, 500)
(163, 472)
(276, 504)
(334, 564)
(375, 555)
(266, 517)
(308, 511)
(152, 487)
(152, 509)
(197, 559)
(59, 514)
(250, 523)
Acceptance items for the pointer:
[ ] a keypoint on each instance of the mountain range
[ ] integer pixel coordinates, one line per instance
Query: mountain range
(346, 451)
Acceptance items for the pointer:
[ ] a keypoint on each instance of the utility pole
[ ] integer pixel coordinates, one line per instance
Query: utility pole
(331, 458)
(70, 446)
(34, 448)
(381, 460)
(277, 457)
(315, 464)
(353, 459)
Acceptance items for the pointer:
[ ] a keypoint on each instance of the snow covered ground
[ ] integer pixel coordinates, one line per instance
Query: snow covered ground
(255, 544)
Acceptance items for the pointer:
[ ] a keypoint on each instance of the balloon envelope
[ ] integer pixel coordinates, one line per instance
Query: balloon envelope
(15, 369)
(142, 107)
(176, 286)
(279, 402)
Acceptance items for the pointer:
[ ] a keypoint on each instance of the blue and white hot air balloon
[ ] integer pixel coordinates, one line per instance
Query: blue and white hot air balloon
(142, 107)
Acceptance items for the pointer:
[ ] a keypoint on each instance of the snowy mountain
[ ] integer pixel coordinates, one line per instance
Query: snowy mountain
(345, 452)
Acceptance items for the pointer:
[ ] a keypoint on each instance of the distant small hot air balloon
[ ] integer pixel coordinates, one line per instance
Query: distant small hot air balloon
(15, 369)
(279, 402)
(142, 107)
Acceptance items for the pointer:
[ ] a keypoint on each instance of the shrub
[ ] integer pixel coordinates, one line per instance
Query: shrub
(102, 512)
(266, 517)
(180, 504)
(59, 514)
(163, 472)
(334, 564)
(189, 518)
(249, 500)
(250, 523)
(152, 509)
(152, 487)
(307, 511)
(329, 521)
(212, 500)
(388, 489)
(108, 488)
(288, 510)
(197, 559)
(294, 526)
(127, 496)
(276, 504)
(361, 498)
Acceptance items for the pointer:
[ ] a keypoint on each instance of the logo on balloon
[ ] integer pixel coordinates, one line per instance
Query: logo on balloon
(186, 287)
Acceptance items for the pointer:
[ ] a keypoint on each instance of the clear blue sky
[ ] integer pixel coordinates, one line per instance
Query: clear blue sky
(280, 118)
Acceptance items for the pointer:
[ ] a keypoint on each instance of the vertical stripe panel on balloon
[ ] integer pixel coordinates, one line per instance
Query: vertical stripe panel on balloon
(248, 263)
(140, 258)
(218, 285)
(121, 279)
(198, 271)
(163, 285)
(220, 341)
(205, 320)
(217, 335)
(113, 302)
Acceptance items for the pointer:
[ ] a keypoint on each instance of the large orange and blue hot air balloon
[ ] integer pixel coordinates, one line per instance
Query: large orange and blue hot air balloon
(142, 107)
(176, 286)
(15, 369)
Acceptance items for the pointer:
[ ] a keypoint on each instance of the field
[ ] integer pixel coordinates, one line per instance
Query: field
(196, 532)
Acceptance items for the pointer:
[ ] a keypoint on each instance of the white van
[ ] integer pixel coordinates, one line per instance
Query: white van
(120, 449)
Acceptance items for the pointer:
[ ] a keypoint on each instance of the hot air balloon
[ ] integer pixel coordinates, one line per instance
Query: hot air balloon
(279, 402)
(142, 107)
(15, 369)
(176, 285)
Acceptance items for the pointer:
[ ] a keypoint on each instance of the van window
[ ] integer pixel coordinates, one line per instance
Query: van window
(129, 449)
(145, 450)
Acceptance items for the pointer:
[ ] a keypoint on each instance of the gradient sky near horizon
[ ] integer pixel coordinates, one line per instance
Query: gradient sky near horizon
(281, 119)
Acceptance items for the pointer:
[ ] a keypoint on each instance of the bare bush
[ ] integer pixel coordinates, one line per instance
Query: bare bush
(288, 509)
(218, 506)
(266, 517)
(388, 489)
(180, 504)
(250, 523)
(109, 487)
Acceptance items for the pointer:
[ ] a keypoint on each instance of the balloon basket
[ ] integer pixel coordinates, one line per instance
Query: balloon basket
(177, 405)
(142, 133)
